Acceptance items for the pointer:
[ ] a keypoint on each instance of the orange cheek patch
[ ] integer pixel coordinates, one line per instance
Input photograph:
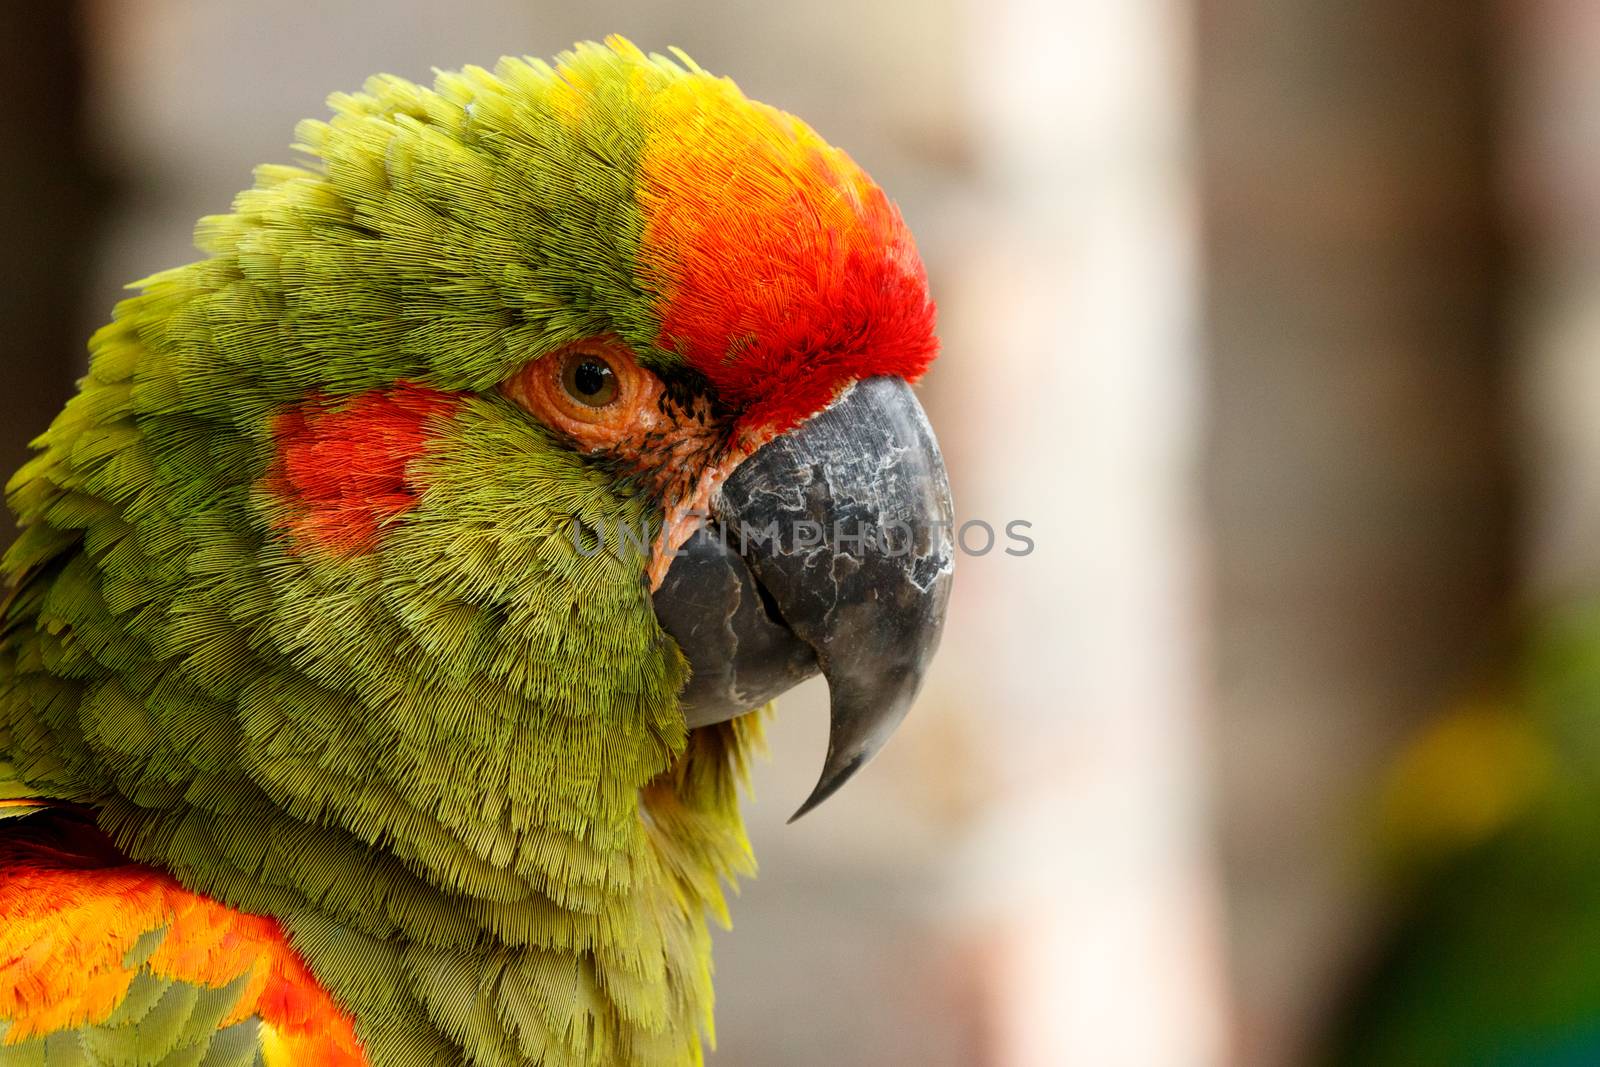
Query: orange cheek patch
(342, 468)
(65, 935)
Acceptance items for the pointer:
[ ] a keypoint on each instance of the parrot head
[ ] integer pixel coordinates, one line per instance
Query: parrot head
(577, 342)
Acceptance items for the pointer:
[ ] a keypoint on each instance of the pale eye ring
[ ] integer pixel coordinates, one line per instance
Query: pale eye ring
(588, 379)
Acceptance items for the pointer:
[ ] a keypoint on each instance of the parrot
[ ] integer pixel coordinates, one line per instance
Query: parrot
(1489, 822)
(397, 602)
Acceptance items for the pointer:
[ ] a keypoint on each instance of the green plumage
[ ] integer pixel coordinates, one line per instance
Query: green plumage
(162, 1023)
(452, 766)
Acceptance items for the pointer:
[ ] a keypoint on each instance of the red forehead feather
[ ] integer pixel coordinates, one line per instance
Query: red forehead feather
(782, 270)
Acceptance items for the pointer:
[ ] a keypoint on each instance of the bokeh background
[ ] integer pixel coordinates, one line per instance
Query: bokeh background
(1279, 320)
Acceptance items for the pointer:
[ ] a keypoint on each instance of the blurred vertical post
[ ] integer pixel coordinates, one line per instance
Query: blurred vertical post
(1358, 458)
(1554, 166)
(1075, 310)
(50, 194)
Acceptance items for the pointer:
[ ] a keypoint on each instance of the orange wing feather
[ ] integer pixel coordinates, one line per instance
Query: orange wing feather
(66, 934)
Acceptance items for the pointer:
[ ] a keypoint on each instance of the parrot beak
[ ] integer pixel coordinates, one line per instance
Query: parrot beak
(830, 548)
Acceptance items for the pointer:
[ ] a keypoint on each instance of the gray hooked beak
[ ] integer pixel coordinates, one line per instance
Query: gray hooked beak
(828, 549)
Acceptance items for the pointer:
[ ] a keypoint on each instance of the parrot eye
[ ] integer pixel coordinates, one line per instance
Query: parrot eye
(589, 379)
(593, 390)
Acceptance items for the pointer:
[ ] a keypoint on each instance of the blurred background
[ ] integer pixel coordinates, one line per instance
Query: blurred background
(1279, 321)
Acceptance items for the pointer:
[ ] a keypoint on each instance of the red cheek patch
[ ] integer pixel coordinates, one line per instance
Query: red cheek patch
(343, 467)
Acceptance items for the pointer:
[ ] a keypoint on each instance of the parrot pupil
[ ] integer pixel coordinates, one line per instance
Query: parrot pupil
(591, 377)
(589, 380)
